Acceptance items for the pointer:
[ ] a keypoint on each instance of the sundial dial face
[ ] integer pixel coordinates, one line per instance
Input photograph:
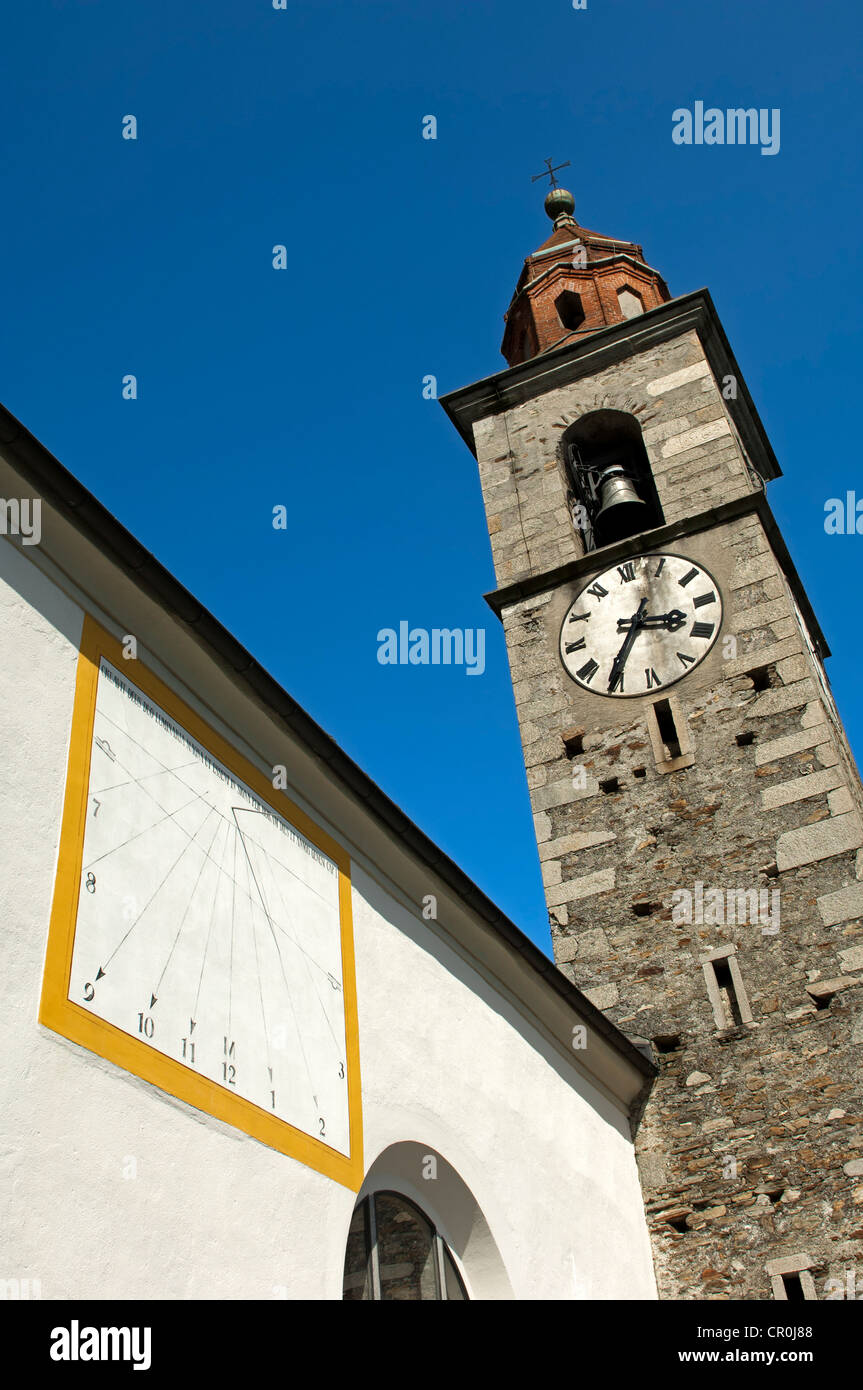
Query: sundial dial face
(201, 931)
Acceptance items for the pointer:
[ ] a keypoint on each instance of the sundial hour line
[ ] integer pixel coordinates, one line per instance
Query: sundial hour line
(183, 851)
(173, 772)
(257, 958)
(278, 954)
(231, 955)
(209, 935)
(136, 781)
(270, 860)
(305, 958)
(204, 861)
(169, 815)
(248, 811)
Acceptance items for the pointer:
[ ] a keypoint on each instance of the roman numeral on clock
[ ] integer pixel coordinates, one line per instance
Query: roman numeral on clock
(588, 671)
(658, 570)
(688, 578)
(701, 599)
(576, 646)
(578, 617)
(597, 591)
(685, 660)
(702, 630)
(651, 678)
(626, 572)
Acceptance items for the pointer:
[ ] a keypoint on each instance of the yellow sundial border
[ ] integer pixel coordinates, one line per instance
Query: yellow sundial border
(72, 1021)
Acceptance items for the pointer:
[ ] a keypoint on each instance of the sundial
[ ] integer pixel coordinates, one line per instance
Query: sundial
(201, 930)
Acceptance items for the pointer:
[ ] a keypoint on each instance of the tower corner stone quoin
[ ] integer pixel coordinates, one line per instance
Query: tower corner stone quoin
(700, 839)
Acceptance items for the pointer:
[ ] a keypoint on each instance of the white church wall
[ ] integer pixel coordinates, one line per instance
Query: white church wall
(115, 1189)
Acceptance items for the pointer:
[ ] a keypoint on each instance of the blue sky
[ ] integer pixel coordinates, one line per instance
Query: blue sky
(303, 388)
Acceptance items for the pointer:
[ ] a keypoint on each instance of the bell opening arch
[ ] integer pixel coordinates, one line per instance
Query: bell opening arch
(609, 472)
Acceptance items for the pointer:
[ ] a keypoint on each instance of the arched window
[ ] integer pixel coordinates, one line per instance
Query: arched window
(611, 476)
(394, 1253)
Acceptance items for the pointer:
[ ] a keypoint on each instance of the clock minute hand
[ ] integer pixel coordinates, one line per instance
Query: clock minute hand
(619, 661)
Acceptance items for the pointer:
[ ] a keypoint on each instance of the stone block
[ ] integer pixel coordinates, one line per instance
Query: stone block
(662, 384)
(580, 839)
(775, 748)
(665, 429)
(781, 698)
(799, 788)
(602, 996)
(586, 886)
(811, 843)
(840, 801)
(542, 826)
(825, 989)
(841, 906)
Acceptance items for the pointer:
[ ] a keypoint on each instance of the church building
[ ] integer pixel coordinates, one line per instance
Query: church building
(263, 1039)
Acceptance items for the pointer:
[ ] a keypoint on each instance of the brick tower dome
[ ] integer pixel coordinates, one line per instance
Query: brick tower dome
(574, 284)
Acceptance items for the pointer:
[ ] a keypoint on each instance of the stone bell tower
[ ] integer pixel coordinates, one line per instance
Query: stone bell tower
(697, 807)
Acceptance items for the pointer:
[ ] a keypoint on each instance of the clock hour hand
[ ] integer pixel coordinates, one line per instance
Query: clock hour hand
(670, 621)
(615, 675)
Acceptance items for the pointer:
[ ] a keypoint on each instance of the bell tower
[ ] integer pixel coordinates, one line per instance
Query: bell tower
(698, 812)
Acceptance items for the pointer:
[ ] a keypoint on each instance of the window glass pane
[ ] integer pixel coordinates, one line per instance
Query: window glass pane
(454, 1286)
(358, 1270)
(405, 1250)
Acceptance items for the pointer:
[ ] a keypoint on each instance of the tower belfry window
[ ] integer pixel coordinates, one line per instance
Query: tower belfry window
(611, 477)
(570, 310)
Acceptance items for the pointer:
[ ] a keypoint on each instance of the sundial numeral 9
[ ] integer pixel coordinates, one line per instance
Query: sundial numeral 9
(89, 992)
(90, 883)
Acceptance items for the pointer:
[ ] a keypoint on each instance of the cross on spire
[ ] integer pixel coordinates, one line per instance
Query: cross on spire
(550, 172)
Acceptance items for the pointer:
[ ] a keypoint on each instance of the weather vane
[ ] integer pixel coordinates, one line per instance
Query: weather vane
(550, 172)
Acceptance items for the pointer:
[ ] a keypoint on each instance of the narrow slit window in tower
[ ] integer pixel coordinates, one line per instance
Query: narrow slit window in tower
(667, 728)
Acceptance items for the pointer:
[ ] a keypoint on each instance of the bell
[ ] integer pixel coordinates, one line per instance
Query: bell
(621, 511)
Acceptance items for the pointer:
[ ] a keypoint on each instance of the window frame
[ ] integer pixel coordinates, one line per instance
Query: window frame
(439, 1247)
(797, 1266)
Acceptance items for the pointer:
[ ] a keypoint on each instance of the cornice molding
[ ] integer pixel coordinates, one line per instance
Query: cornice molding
(560, 366)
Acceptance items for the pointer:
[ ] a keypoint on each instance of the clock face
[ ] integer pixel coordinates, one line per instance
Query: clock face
(207, 930)
(641, 625)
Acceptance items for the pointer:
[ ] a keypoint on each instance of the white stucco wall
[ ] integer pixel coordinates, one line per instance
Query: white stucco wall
(448, 1063)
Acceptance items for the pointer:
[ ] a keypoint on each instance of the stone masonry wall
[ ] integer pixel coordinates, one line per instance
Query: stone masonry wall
(751, 1147)
(695, 455)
